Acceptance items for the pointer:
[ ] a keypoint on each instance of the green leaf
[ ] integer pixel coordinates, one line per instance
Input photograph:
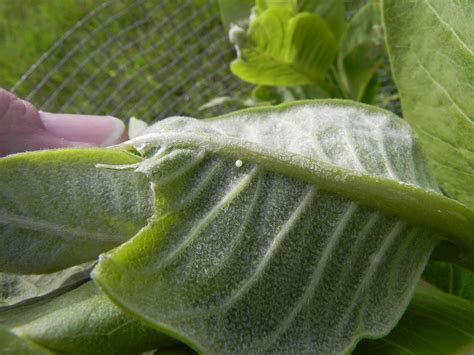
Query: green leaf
(16, 289)
(272, 95)
(285, 50)
(276, 229)
(361, 52)
(435, 323)
(12, 344)
(431, 50)
(451, 279)
(236, 12)
(371, 90)
(57, 209)
(263, 5)
(275, 95)
(331, 11)
(365, 27)
(82, 321)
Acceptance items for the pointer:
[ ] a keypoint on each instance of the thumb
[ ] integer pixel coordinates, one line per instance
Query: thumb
(93, 130)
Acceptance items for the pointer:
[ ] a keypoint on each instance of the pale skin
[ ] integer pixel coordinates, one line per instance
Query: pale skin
(24, 128)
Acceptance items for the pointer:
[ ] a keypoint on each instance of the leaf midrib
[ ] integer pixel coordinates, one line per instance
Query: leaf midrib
(445, 216)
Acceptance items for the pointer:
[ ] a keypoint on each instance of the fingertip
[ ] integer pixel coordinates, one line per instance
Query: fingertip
(117, 133)
(95, 130)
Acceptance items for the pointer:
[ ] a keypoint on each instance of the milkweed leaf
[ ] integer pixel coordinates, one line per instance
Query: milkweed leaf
(431, 50)
(57, 209)
(81, 321)
(266, 241)
(285, 50)
(434, 323)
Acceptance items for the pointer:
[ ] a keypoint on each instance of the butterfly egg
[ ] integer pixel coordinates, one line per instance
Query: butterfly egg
(238, 163)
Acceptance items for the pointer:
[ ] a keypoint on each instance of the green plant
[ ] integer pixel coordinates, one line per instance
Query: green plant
(299, 228)
(294, 50)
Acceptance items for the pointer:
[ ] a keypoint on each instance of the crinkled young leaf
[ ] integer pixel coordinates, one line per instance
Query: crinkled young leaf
(435, 323)
(81, 321)
(285, 49)
(57, 209)
(276, 229)
(431, 47)
(16, 289)
(331, 11)
(262, 5)
(361, 51)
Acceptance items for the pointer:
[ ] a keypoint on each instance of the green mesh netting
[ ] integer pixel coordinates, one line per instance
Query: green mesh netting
(144, 58)
(149, 59)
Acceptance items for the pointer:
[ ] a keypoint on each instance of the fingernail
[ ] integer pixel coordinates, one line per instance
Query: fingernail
(96, 130)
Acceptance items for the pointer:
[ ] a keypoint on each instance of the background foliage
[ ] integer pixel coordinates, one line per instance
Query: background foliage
(29, 27)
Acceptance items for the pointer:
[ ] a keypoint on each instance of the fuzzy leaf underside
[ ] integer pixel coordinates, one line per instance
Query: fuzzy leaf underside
(431, 48)
(434, 323)
(242, 257)
(57, 209)
(377, 163)
(76, 322)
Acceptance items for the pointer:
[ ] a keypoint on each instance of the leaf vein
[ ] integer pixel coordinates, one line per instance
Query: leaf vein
(445, 92)
(289, 224)
(200, 186)
(209, 217)
(383, 152)
(315, 277)
(237, 240)
(449, 27)
(181, 170)
(352, 150)
(387, 242)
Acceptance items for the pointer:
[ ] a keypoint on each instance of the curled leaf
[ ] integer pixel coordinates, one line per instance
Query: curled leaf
(283, 229)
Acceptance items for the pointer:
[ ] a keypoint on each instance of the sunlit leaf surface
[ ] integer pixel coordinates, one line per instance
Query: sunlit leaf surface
(431, 47)
(285, 49)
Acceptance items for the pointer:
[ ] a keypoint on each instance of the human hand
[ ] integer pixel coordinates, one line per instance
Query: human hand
(24, 128)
